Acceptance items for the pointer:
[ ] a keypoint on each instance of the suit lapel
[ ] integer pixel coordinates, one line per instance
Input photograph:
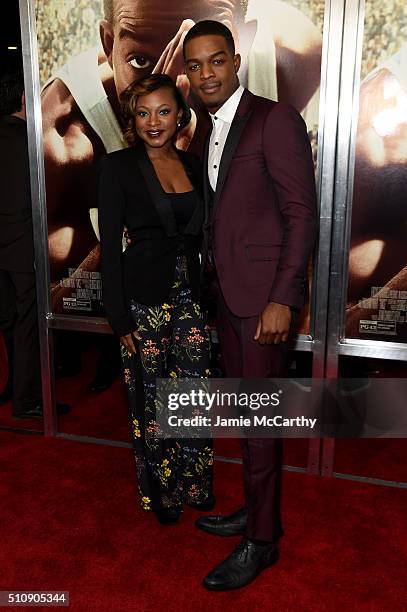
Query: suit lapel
(236, 129)
(206, 184)
(158, 195)
(208, 191)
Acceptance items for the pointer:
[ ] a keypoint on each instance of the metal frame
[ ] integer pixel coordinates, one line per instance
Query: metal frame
(85, 324)
(396, 351)
(37, 180)
(344, 167)
(327, 136)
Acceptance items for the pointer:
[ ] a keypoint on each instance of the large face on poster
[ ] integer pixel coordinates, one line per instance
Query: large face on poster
(90, 51)
(377, 295)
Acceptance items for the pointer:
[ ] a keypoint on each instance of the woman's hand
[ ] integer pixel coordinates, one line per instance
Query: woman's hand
(184, 137)
(128, 341)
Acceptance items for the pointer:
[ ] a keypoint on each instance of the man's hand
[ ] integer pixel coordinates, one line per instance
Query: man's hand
(128, 341)
(274, 324)
(171, 62)
(126, 236)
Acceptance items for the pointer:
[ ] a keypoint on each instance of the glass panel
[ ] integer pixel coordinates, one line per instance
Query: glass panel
(374, 458)
(377, 292)
(84, 67)
(88, 378)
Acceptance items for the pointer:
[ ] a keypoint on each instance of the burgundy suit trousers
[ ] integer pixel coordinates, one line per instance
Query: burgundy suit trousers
(262, 458)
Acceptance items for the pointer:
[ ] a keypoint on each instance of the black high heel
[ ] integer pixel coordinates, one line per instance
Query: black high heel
(204, 506)
(168, 516)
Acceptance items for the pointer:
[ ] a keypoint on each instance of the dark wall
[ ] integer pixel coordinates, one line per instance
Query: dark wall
(9, 36)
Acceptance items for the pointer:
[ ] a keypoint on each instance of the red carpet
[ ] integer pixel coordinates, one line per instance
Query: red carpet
(70, 522)
(379, 458)
(104, 415)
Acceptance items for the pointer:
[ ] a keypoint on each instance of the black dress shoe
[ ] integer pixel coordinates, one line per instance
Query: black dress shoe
(6, 396)
(31, 413)
(168, 516)
(68, 371)
(245, 563)
(204, 506)
(63, 408)
(234, 524)
(101, 383)
(36, 412)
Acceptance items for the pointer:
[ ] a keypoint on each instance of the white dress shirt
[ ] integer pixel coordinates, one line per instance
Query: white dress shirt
(221, 121)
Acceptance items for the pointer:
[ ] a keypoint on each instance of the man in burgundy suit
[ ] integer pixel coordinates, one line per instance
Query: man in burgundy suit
(260, 230)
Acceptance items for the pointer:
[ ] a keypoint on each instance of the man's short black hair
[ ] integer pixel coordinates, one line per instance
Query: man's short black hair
(11, 91)
(208, 27)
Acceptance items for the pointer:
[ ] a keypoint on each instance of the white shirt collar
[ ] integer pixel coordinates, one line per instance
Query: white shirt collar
(228, 110)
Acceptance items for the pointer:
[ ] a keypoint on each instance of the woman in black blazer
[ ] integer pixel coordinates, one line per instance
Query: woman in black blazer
(151, 290)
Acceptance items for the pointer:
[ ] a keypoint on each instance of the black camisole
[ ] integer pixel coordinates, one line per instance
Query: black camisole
(183, 206)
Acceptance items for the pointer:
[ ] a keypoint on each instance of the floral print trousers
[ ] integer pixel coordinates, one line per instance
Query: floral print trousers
(175, 343)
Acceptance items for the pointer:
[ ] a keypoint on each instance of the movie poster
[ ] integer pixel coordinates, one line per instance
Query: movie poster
(90, 50)
(377, 291)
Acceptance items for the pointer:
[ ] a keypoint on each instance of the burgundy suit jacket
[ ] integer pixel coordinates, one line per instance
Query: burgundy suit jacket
(261, 222)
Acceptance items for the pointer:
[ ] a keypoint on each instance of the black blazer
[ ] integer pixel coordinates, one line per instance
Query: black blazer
(131, 195)
(16, 231)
